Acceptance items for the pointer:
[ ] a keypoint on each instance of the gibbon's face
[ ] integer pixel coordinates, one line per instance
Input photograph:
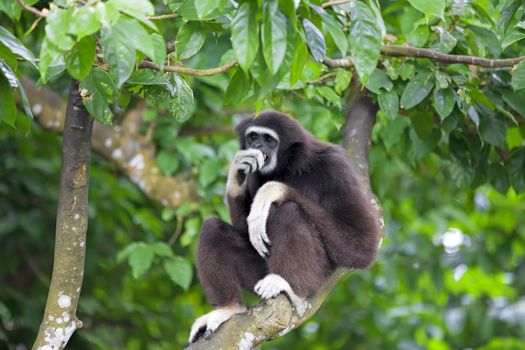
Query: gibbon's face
(265, 140)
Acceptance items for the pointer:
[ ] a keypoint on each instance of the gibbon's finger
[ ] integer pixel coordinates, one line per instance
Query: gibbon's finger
(252, 162)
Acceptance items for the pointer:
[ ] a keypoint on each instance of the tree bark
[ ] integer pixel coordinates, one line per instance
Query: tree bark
(121, 144)
(276, 317)
(60, 320)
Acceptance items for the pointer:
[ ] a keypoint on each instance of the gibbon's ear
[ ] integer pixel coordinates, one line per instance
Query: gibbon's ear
(240, 129)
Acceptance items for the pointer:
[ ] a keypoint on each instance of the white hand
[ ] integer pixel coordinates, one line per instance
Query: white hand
(271, 192)
(245, 162)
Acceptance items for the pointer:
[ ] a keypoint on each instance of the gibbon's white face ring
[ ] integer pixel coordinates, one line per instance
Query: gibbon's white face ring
(260, 130)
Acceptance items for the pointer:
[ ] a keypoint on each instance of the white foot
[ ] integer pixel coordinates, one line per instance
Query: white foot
(271, 285)
(212, 320)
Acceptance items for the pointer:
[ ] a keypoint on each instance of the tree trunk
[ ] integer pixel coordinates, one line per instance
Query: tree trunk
(60, 321)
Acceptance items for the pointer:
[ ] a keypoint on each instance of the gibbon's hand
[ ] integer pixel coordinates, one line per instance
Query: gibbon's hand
(269, 193)
(245, 162)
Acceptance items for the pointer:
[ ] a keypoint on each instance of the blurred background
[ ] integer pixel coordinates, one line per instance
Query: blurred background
(451, 270)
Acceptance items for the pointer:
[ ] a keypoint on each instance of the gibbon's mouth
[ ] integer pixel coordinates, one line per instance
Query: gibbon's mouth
(266, 159)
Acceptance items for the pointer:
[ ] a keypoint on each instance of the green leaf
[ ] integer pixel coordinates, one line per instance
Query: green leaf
(118, 52)
(331, 26)
(394, 130)
(444, 101)
(379, 80)
(159, 50)
(167, 162)
(273, 35)
(507, 14)
(60, 28)
(180, 271)
(329, 94)
(107, 13)
(238, 88)
(417, 89)
(97, 91)
(389, 103)
(516, 168)
(245, 34)
(314, 40)
(518, 76)
(182, 102)
(7, 102)
(86, 21)
(8, 73)
(342, 80)
(11, 8)
(365, 40)
(16, 46)
(300, 55)
(202, 10)
(140, 259)
(139, 9)
(419, 36)
(80, 59)
(206, 8)
(431, 8)
(189, 41)
(150, 77)
(493, 130)
(499, 177)
(209, 171)
(162, 249)
(49, 56)
(461, 174)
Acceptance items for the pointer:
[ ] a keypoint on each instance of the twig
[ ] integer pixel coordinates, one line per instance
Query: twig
(166, 16)
(189, 71)
(322, 79)
(33, 10)
(335, 2)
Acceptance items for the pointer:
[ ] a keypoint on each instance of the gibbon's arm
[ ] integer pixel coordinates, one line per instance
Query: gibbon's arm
(245, 162)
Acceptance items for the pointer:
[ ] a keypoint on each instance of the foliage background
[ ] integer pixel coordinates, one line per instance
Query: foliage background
(450, 274)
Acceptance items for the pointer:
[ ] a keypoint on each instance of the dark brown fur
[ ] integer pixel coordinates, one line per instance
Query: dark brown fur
(325, 221)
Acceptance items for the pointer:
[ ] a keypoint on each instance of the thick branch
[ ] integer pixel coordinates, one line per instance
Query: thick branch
(276, 317)
(122, 144)
(189, 71)
(60, 319)
(407, 51)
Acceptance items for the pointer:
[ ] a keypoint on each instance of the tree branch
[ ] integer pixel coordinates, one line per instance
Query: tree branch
(276, 317)
(189, 71)
(335, 2)
(407, 51)
(33, 10)
(122, 144)
(166, 16)
(60, 319)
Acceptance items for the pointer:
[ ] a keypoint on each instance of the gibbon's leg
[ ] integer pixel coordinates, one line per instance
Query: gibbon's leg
(296, 254)
(226, 262)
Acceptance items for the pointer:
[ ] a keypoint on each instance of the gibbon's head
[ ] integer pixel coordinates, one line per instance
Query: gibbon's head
(282, 141)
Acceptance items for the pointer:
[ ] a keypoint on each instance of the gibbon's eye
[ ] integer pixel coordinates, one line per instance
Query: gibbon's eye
(251, 137)
(270, 140)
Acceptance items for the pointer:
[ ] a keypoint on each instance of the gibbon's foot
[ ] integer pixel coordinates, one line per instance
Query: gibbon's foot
(207, 324)
(271, 285)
